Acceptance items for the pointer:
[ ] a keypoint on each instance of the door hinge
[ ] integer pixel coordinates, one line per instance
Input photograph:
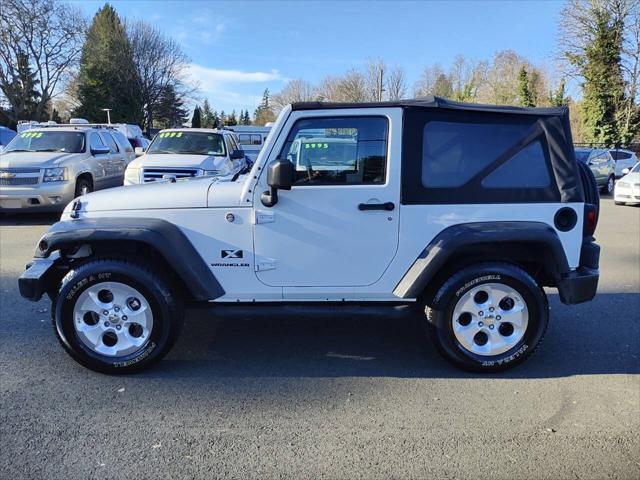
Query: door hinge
(267, 264)
(264, 217)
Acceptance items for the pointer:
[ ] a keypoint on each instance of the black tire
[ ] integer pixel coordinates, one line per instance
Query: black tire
(166, 307)
(618, 203)
(439, 320)
(83, 186)
(607, 188)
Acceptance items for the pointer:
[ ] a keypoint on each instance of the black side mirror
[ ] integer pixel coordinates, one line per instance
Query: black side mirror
(236, 154)
(100, 150)
(280, 175)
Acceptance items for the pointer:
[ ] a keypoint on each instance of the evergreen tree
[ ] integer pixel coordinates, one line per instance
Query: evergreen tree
(603, 88)
(215, 120)
(264, 112)
(207, 115)
(524, 93)
(55, 116)
(23, 90)
(196, 119)
(247, 119)
(557, 98)
(223, 119)
(232, 120)
(108, 77)
(170, 111)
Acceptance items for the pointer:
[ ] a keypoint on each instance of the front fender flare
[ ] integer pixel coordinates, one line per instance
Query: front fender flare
(165, 237)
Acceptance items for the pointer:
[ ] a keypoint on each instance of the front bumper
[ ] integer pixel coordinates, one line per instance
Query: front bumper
(626, 194)
(52, 196)
(33, 282)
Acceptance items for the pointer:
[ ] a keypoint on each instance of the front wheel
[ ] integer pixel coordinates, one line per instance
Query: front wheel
(114, 316)
(488, 317)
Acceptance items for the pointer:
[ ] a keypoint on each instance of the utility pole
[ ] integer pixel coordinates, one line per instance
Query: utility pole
(380, 85)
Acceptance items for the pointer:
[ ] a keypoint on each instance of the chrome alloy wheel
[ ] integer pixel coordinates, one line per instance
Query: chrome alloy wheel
(490, 319)
(112, 319)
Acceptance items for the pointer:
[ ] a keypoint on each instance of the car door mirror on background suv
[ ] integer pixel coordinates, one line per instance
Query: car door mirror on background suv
(280, 176)
(236, 154)
(139, 151)
(100, 150)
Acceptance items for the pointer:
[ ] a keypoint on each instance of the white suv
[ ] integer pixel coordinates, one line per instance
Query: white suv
(187, 152)
(413, 207)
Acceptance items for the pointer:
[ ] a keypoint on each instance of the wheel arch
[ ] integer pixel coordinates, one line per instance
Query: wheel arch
(159, 242)
(533, 246)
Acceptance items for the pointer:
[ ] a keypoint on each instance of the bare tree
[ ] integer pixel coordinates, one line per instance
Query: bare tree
(161, 66)
(50, 34)
(374, 80)
(297, 90)
(433, 81)
(348, 88)
(396, 84)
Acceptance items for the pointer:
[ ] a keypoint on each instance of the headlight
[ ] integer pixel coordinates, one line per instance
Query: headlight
(132, 176)
(212, 173)
(55, 174)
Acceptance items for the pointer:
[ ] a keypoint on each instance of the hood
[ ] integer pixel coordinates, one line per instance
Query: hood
(36, 159)
(178, 160)
(190, 193)
(633, 177)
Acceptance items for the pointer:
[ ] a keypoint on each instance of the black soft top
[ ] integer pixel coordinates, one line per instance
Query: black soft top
(552, 123)
(434, 102)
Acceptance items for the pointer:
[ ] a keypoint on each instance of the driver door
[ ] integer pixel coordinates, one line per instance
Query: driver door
(338, 225)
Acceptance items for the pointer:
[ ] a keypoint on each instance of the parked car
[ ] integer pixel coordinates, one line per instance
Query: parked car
(251, 138)
(601, 164)
(624, 159)
(477, 243)
(133, 133)
(627, 189)
(187, 152)
(45, 168)
(6, 135)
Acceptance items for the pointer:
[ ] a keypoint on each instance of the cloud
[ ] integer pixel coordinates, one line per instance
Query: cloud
(230, 86)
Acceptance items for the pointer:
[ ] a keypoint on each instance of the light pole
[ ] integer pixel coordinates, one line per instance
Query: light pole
(108, 110)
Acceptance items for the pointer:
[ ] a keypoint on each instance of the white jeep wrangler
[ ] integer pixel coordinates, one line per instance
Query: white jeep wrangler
(459, 213)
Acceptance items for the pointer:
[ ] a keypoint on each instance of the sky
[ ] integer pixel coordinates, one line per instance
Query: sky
(239, 48)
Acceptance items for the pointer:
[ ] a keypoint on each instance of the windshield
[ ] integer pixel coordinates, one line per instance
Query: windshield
(636, 169)
(49, 141)
(583, 155)
(190, 143)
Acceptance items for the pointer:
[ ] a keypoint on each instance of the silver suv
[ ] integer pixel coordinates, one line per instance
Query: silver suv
(46, 167)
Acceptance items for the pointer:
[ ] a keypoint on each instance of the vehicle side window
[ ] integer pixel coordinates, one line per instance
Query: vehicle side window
(96, 141)
(122, 140)
(338, 150)
(108, 140)
(455, 152)
(623, 156)
(230, 147)
(256, 139)
(244, 138)
(526, 169)
(599, 159)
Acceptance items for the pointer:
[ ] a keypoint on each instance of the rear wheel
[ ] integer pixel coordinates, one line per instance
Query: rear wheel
(608, 187)
(114, 316)
(488, 317)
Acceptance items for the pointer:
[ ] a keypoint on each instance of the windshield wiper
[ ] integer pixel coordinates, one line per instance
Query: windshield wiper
(19, 150)
(51, 150)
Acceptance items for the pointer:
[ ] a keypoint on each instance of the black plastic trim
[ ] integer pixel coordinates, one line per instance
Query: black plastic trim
(32, 283)
(578, 286)
(448, 242)
(164, 236)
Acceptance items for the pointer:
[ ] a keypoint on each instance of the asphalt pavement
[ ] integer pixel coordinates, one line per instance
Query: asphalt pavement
(327, 398)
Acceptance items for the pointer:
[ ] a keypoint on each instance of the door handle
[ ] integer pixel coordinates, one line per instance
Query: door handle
(388, 206)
